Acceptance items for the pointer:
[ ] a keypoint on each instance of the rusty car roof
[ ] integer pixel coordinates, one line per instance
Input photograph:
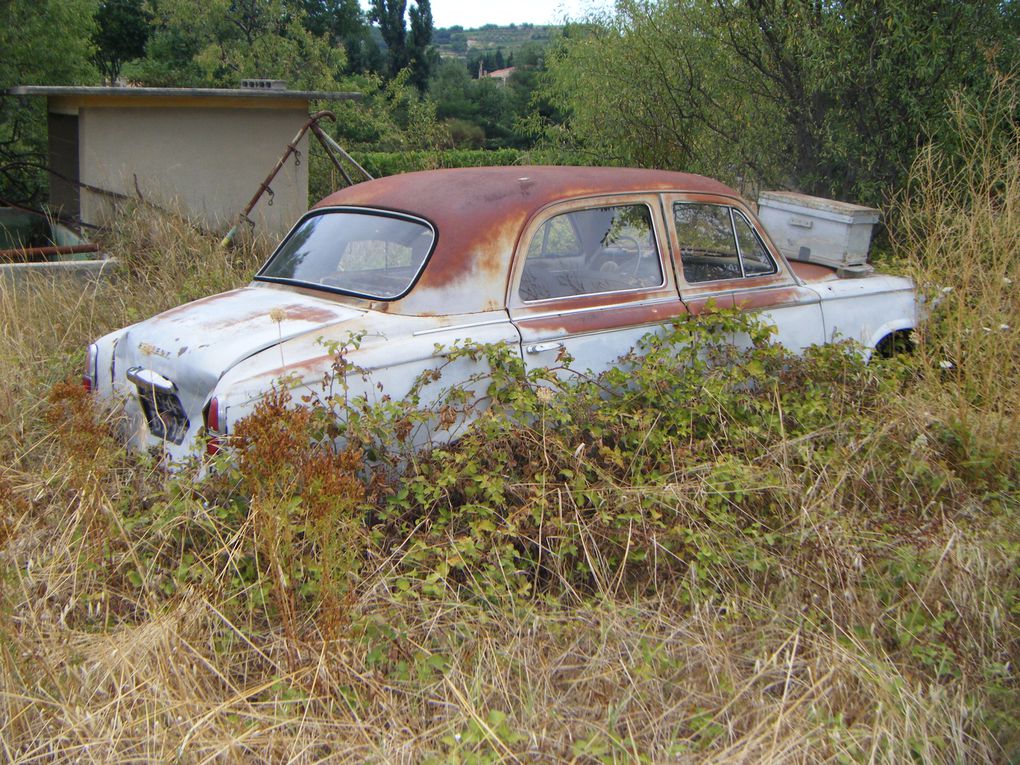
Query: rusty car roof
(479, 213)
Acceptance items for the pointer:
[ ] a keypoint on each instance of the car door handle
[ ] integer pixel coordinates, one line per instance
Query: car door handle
(543, 347)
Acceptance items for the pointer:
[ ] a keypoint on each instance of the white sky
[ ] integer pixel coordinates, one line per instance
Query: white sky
(474, 13)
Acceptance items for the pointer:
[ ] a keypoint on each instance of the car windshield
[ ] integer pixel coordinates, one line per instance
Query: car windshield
(376, 255)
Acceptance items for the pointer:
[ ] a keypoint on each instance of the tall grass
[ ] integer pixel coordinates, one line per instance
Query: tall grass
(958, 228)
(47, 323)
(823, 566)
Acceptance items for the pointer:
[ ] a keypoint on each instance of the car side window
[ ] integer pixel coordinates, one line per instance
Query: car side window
(586, 252)
(717, 242)
(556, 239)
(754, 257)
(708, 250)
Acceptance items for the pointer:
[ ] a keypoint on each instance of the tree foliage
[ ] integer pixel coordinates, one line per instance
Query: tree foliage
(220, 42)
(832, 97)
(389, 15)
(336, 19)
(44, 42)
(480, 111)
(420, 56)
(635, 88)
(458, 95)
(863, 85)
(406, 49)
(343, 23)
(122, 29)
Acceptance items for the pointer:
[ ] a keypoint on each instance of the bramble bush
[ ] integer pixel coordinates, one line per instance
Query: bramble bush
(709, 470)
(678, 464)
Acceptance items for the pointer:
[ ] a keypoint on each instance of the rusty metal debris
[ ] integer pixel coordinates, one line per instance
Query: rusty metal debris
(327, 143)
(331, 147)
(34, 253)
(30, 236)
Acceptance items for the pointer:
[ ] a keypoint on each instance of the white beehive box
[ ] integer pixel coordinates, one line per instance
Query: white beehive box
(817, 230)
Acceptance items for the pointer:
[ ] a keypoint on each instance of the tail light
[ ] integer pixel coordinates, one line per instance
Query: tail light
(90, 374)
(212, 426)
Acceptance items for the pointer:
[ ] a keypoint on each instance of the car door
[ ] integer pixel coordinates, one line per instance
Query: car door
(723, 256)
(591, 277)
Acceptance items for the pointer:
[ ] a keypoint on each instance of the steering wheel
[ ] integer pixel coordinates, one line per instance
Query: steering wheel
(628, 244)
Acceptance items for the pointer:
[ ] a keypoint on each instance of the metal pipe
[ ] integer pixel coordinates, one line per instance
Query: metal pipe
(337, 147)
(25, 253)
(321, 135)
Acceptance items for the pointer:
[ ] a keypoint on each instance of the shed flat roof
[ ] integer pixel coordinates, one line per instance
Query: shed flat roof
(267, 94)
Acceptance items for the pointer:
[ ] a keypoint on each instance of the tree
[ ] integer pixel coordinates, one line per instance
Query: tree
(170, 55)
(44, 42)
(389, 15)
(220, 42)
(402, 49)
(122, 29)
(451, 89)
(634, 92)
(343, 23)
(336, 19)
(831, 97)
(419, 52)
(862, 85)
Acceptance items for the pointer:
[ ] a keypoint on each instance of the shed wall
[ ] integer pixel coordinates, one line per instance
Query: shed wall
(206, 163)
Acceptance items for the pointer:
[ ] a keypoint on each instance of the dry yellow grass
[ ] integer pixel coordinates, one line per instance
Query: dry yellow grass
(591, 682)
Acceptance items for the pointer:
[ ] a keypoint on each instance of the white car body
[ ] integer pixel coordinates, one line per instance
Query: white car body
(546, 259)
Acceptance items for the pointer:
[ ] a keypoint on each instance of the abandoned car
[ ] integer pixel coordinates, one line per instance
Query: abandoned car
(585, 260)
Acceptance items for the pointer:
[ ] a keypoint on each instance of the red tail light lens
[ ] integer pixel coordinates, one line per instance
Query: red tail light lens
(212, 426)
(89, 374)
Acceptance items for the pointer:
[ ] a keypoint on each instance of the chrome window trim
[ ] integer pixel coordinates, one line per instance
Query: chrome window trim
(592, 308)
(458, 327)
(740, 252)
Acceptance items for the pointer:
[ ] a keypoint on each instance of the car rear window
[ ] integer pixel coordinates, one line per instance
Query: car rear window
(364, 253)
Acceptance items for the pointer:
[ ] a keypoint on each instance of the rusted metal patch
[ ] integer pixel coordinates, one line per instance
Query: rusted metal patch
(755, 299)
(812, 272)
(607, 319)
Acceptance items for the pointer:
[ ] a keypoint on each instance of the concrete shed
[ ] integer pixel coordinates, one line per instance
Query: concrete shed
(201, 151)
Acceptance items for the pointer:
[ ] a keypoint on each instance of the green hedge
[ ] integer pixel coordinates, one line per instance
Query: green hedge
(323, 179)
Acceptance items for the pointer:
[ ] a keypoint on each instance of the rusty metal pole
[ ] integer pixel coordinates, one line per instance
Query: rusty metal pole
(329, 153)
(264, 186)
(27, 254)
(330, 146)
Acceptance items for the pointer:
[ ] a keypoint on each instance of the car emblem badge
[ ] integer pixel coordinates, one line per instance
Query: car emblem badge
(152, 350)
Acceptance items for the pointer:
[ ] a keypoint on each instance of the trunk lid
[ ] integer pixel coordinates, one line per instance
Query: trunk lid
(168, 365)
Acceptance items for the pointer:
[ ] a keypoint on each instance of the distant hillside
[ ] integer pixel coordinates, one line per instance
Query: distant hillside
(457, 41)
